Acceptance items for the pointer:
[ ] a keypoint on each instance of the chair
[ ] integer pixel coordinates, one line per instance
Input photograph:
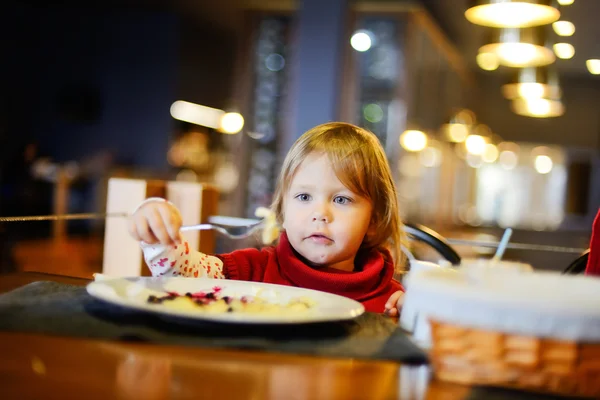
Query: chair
(578, 265)
(433, 239)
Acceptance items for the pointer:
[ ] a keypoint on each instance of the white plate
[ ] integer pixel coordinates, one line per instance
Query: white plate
(133, 293)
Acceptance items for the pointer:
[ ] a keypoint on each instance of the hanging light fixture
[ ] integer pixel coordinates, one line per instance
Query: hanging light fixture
(511, 13)
(520, 47)
(593, 65)
(564, 51)
(563, 28)
(459, 126)
(538, 108)
(487, 61)
(533, 82)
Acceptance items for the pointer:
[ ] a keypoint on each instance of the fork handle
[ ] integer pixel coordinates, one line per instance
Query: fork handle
(197, 227)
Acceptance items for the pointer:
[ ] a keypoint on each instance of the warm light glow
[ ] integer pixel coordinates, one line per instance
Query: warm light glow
(565, 2)
(564, 50)
(508, 159)
(483, 130)
(475, 144)
(413, 140)
(540, 151)
(512, 14)
(465, 116)
(487, 61)
(531, 90)
(232, 122)
(539, 108)
(457, 133)
(197, 114)
(430, 157)
(520, 55)
(564, 28)
(593, 65)
(490, 153)
(533, 82)
(543, 164)
(361, 40)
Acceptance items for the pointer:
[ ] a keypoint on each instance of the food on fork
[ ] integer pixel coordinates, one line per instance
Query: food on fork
(213, 301)
(270, 231)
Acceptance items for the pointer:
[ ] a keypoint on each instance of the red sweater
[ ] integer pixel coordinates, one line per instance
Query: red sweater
(371, 284)
(593, 265)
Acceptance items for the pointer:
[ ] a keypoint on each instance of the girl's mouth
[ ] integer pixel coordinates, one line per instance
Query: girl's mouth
(320, 238)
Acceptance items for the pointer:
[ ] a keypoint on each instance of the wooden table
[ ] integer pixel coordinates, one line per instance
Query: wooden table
(46, 367)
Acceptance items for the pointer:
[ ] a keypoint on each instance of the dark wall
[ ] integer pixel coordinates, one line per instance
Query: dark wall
(82, 81)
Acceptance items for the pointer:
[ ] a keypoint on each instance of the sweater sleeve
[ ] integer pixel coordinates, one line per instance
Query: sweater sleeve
(245, 265)
(593, 264)
(181, 261)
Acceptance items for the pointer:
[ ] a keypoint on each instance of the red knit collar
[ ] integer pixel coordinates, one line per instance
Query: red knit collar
(375, 273)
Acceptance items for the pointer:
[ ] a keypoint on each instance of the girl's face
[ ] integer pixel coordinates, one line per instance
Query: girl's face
(324, 220)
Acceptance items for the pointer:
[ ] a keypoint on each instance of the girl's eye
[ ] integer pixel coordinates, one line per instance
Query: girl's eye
(303, 197)
(341, 200)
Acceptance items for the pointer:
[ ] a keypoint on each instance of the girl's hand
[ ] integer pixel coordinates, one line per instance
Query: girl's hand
(393, 307)
(156, 221)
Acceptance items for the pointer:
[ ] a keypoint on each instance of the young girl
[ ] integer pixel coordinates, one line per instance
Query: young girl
(336, 201)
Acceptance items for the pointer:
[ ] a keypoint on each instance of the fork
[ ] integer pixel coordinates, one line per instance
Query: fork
(249, 229)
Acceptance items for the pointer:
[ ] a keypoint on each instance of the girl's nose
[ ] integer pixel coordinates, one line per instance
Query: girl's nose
(321, 214)
(320, 218)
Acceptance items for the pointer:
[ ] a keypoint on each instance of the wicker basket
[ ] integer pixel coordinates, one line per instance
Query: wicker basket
(480, 357)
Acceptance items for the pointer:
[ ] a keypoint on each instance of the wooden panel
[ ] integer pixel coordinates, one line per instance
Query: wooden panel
(210, 206)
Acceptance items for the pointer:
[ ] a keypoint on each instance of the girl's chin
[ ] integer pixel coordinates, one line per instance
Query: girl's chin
(316, 262)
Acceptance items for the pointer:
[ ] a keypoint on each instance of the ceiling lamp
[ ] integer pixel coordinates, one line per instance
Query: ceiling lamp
(487, 61)
(593, 65)
(564, 51)
(563, 28)
(538, 108)
(565, 2)
(459, 126)
(413, 140)
(511, 13)
(533, 82)
(520, 47)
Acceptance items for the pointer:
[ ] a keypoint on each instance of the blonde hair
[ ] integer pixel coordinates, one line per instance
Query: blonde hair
(359, 162)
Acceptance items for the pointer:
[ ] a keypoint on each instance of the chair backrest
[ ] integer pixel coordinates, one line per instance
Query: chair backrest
(578, 265)
(122, 254)
(433, 239)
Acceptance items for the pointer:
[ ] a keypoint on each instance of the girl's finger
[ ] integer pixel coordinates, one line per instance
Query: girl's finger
(157, 225)
(144, 232)
(172, 223)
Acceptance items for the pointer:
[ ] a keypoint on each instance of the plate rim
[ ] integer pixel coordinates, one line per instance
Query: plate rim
(351, 314)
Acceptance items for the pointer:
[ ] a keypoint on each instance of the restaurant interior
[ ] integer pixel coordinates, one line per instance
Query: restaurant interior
(489, 122)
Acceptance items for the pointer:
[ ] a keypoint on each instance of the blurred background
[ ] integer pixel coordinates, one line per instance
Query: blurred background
(485, 127)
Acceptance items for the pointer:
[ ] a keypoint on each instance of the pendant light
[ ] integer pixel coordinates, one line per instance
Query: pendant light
(533, 82)
(520, 47)
(512, 13)
(538, 107)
